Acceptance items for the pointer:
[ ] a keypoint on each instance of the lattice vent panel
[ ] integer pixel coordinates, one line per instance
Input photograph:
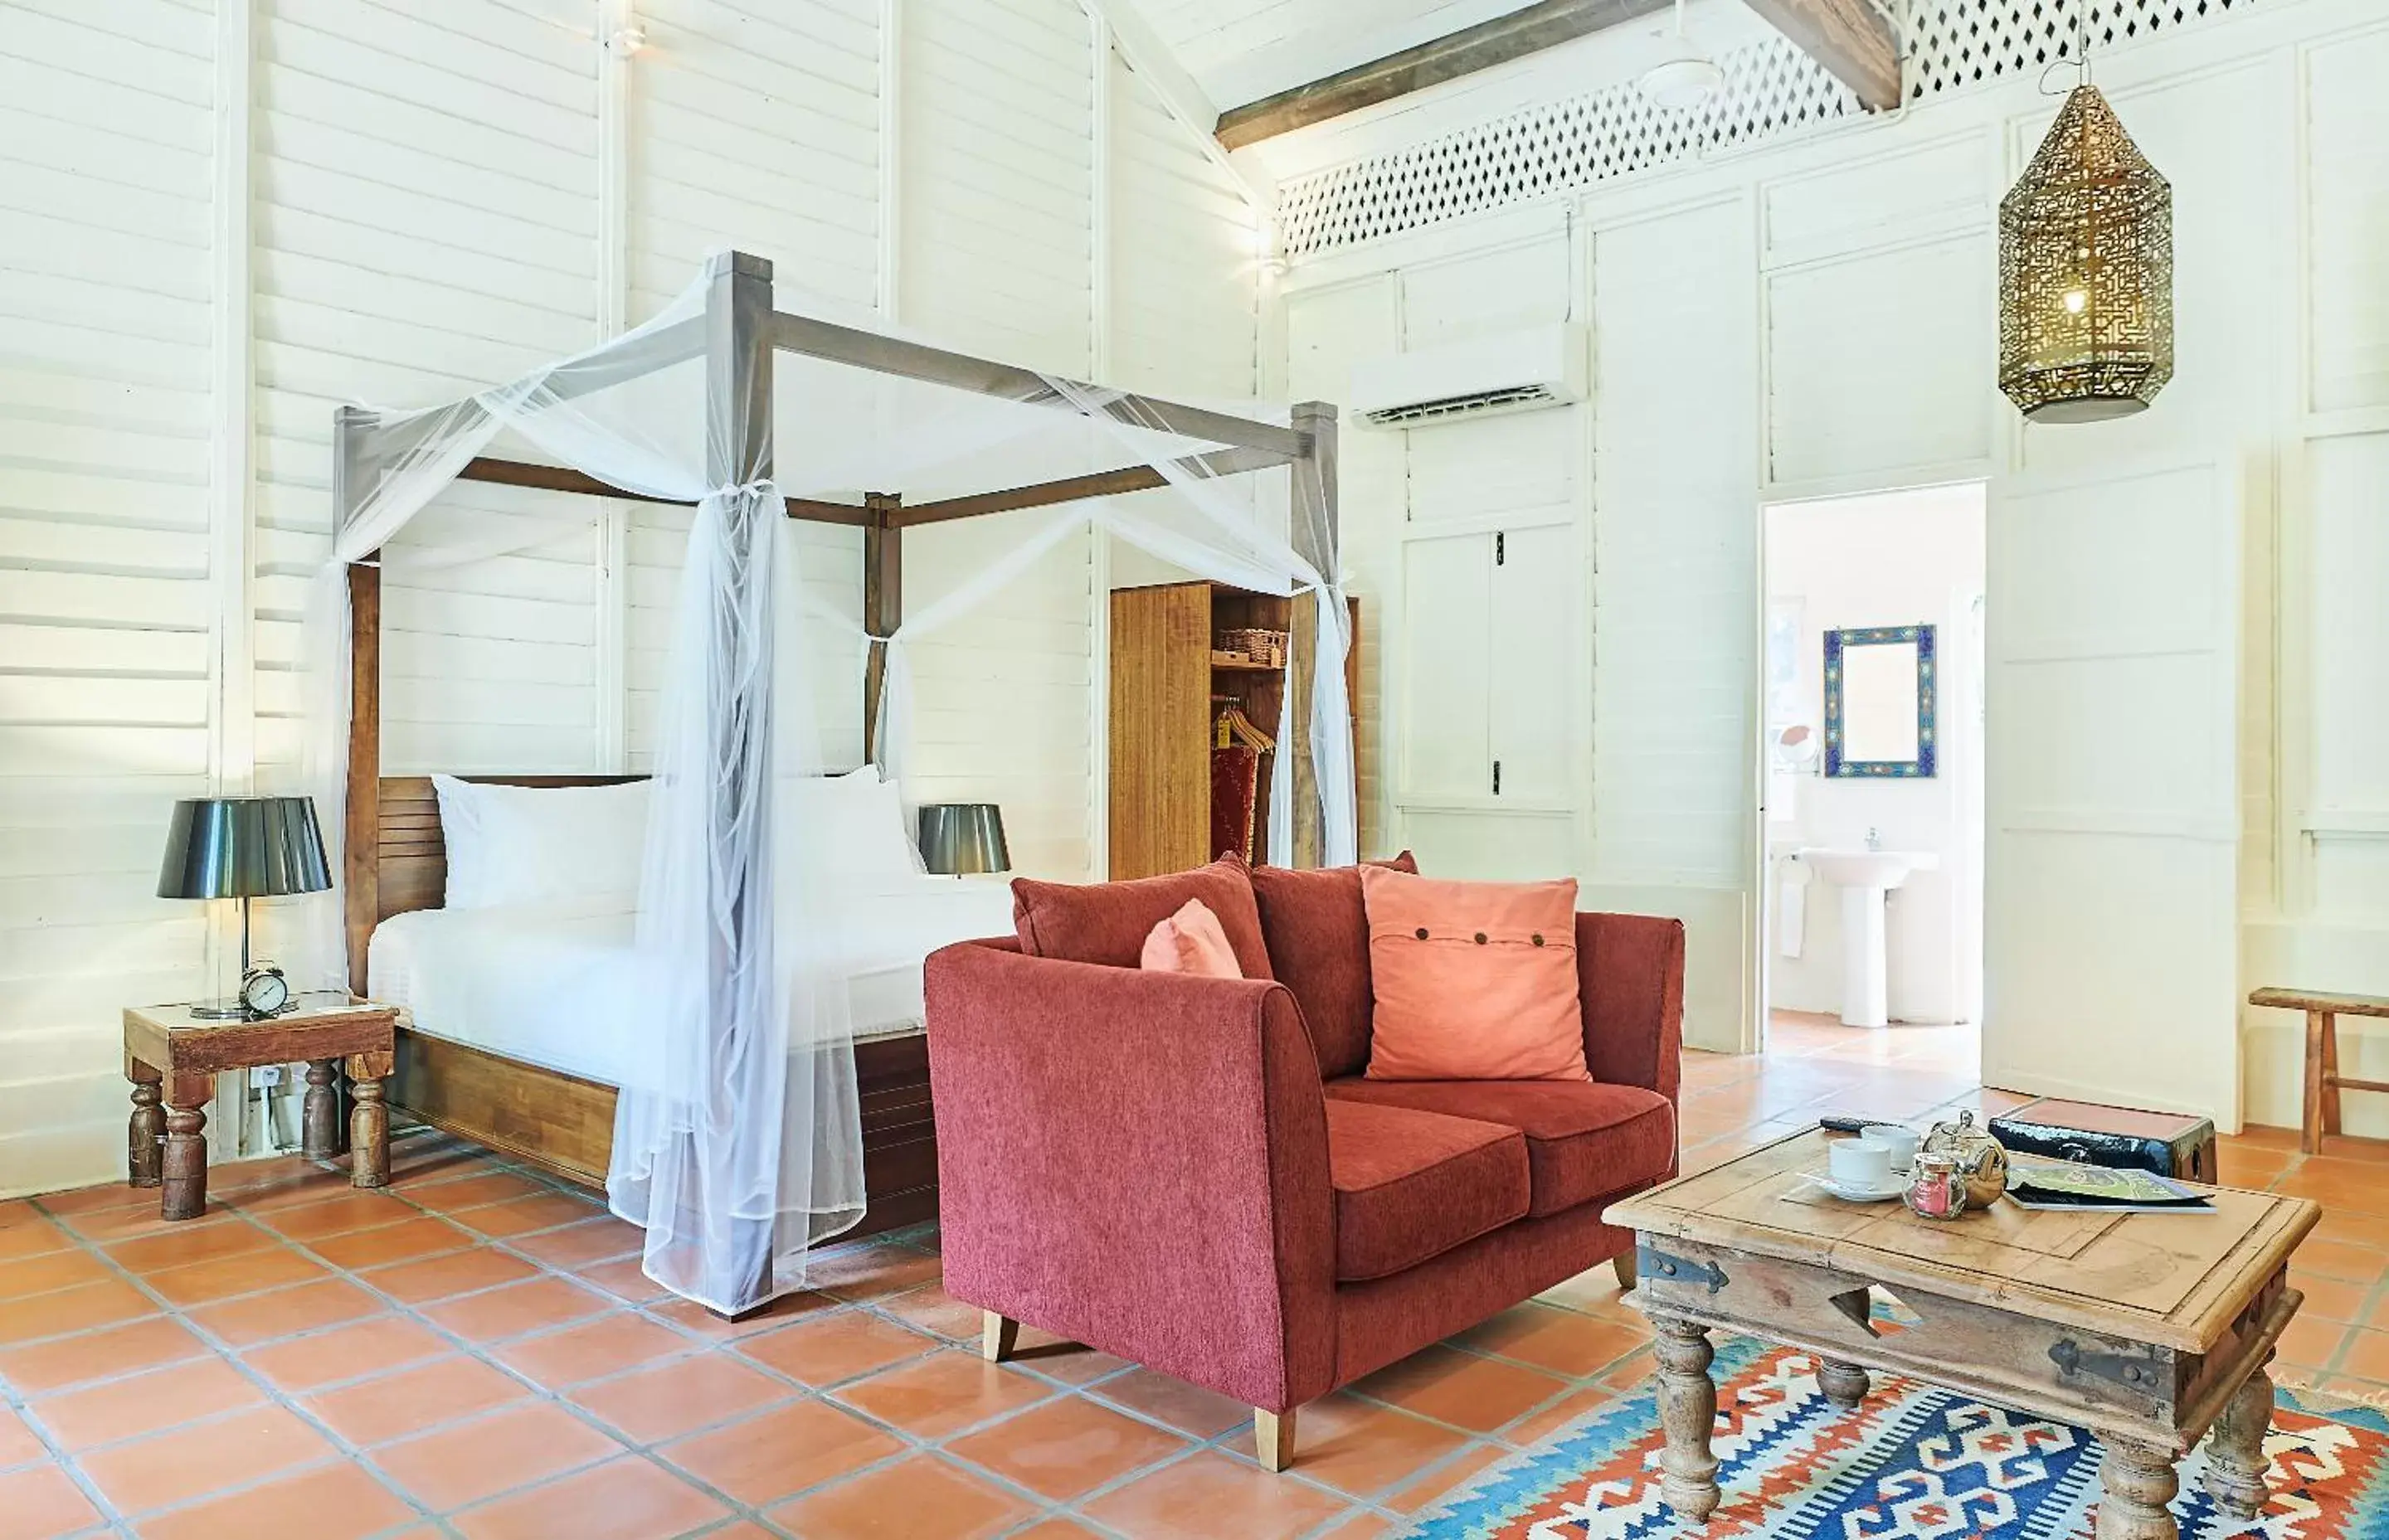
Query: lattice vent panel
(1771, 88)
(1955, 44)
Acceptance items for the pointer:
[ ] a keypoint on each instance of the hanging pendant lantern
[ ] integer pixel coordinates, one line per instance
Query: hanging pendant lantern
(2086, 272)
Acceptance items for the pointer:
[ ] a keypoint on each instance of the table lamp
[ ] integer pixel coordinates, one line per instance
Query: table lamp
(961, 839)
(242, 847)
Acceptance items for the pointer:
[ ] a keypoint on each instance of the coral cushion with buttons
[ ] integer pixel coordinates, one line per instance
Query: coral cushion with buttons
(1473, 981)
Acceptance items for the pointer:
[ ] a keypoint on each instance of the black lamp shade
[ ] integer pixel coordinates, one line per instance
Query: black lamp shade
(243, 847)
(962, 838)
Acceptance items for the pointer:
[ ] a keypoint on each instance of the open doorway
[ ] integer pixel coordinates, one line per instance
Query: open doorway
(1872, 945)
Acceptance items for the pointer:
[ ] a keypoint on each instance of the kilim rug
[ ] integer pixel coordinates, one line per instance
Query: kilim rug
(1912, 1461)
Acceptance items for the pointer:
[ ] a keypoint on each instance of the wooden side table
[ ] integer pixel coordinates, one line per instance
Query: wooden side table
(173, 1058)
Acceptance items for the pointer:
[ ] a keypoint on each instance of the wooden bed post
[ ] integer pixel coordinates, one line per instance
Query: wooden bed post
(883, 606)
(738, 451)
(1316, 539)
(360, 817)
(361, 833)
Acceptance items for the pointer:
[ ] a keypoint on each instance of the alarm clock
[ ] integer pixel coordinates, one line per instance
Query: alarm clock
(265, 992)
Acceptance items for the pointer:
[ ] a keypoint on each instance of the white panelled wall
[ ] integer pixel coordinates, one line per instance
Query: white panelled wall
(1817, 316)
(220, 220)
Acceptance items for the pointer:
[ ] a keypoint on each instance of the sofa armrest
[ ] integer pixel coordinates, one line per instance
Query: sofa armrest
(1630, 976)
(1137, 1162)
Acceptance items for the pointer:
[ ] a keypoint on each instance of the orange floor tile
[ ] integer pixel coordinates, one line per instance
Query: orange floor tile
(474, 1352)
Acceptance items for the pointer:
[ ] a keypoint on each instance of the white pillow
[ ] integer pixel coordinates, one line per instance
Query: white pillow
(522, 845)
(853, 825)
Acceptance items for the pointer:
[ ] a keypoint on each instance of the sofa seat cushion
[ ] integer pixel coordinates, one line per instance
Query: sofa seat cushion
(1584, 1139)
(1410, 1184)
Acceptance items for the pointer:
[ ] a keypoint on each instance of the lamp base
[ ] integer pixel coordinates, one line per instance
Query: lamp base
(221, 1010)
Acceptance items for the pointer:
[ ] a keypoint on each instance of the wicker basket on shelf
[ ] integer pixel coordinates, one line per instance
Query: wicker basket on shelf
(1264, 647)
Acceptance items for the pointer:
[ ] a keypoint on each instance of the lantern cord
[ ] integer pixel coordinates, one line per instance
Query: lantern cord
(2081, 59)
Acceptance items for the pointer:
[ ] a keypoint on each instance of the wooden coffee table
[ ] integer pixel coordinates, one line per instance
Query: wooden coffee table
(2148, 1329)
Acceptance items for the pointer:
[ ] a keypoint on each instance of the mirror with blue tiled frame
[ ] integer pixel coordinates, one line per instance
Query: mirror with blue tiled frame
(1880, 694)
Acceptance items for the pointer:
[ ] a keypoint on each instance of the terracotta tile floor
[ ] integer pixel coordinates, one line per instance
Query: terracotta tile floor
(475, 1353)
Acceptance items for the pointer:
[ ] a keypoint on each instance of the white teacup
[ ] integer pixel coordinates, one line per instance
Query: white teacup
(1899, 1139)
(1860, 1164)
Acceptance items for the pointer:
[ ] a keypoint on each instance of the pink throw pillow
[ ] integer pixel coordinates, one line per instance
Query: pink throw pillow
(1473, 981)
(1190, 941)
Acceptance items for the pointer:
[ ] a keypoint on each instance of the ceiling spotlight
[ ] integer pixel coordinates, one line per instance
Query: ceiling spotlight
(1683, 80)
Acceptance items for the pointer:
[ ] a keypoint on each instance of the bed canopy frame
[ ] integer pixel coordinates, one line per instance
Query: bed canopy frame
(393, 855)
(742, 332)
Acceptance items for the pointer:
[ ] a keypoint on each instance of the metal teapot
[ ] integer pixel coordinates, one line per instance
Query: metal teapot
(1982, 1159)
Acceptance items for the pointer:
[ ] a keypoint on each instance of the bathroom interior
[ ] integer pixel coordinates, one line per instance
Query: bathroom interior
(1874, 772)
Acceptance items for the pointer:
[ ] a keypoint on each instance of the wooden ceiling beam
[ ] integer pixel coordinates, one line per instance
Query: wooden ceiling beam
(1528, 29)
(1850, 38)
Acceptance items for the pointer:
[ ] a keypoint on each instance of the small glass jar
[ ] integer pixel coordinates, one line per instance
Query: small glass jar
(1936, 1189)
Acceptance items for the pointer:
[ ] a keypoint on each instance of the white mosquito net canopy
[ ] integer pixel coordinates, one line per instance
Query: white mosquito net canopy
(739, 1145)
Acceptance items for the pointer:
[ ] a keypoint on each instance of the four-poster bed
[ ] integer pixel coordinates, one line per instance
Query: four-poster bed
(395, 855)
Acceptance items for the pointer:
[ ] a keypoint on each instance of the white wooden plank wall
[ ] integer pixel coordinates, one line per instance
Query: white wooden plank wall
(998, 251)
(427, 208)
(1186, 256)
(1817, 318)
(1000, 696)
(998, 223)
(756, 125)
(104, 611)
(426, 224)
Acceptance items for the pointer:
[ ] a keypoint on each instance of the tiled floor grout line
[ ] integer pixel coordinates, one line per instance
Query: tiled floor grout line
(109, 1519)
(559, 1397)
(874, 1303)
(562, 1394)
(273, 1394)
(293, 1402)
(863, 1298)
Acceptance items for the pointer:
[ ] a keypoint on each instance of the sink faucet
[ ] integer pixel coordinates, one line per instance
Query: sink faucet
(1874, 839)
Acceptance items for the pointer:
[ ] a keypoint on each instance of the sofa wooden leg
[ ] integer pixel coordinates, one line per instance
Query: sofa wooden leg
(1273, 1438)
(1623, 1266)
(997, 1336)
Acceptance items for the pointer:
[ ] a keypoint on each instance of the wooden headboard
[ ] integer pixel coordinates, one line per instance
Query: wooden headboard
(406, 866)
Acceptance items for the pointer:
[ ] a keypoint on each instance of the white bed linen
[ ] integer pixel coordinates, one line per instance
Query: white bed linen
(555, 985)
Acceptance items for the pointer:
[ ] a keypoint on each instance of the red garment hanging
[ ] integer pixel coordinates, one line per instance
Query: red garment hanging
(1235, 782)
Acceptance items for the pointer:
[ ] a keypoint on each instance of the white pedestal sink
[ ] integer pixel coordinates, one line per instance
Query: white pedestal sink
(1864, 877)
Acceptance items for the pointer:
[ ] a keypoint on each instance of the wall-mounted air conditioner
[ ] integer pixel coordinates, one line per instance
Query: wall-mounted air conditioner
(1507, 372)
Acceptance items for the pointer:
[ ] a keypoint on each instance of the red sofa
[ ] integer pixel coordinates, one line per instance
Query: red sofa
(1194, 1175)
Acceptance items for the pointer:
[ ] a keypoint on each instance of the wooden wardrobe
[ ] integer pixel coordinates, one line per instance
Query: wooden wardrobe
(1164, 683)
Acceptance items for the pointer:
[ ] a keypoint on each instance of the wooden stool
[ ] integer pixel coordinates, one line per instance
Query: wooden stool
(172, 1059)
(2323, 1080)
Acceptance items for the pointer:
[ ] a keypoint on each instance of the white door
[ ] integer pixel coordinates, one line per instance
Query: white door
(2111, 895)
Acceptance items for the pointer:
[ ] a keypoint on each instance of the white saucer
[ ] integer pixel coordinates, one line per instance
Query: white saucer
(1893, 1186)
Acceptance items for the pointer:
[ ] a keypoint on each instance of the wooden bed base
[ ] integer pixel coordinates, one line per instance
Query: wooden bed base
(560, 1123)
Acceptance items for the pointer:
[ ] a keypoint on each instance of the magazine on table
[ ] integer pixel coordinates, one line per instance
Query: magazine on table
(2072, 1186)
